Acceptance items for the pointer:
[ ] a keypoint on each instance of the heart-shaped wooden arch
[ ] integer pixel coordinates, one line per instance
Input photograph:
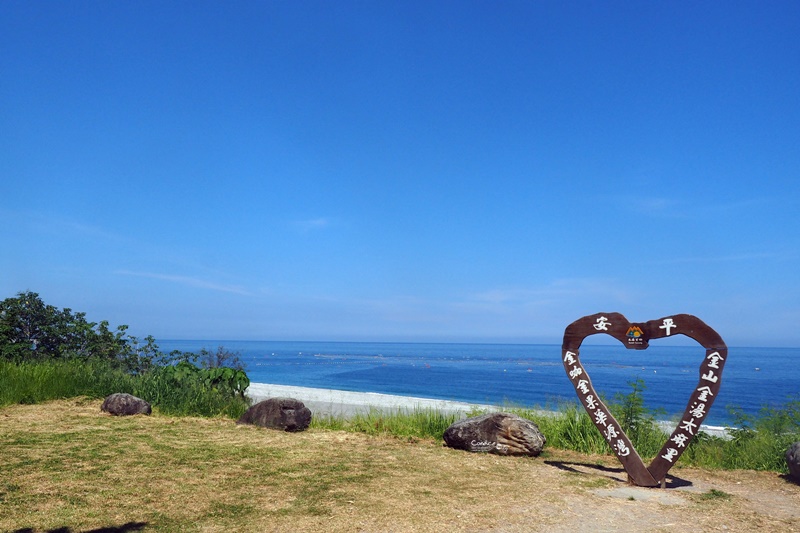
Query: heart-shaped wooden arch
(637, 336)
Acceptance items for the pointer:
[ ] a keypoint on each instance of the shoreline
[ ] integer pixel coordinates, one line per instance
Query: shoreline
(339, 403)
(333, 402)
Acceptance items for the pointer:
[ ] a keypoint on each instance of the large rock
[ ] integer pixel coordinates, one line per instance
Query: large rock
(498, 433)
(793, 460)
(286, 414)
(123, 404)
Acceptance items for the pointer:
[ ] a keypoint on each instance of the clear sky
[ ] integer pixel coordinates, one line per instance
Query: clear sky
(403, 171)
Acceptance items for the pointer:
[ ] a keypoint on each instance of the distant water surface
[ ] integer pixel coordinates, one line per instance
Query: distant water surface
(525, 375)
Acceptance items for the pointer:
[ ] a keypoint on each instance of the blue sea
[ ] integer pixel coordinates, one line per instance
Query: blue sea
(522, 375)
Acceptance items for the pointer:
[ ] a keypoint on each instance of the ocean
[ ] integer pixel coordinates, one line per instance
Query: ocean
(521, 375)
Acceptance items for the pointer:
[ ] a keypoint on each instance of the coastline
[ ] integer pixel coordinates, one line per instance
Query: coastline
(339, 403)
(515, 375)
(332, 402)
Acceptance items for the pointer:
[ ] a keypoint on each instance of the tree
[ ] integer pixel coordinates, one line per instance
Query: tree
(33, 330)
(221, 358)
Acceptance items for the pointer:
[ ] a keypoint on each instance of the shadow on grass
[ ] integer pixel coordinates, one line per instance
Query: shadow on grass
(616, 473)
(124, 528)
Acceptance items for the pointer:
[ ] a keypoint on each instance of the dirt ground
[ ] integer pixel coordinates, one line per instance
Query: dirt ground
(693, 500)
(66, 466)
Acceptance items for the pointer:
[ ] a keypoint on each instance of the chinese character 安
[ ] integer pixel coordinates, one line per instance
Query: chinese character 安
(602, 324)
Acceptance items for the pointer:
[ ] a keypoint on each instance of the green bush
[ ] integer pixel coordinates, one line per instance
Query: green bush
(180, 390)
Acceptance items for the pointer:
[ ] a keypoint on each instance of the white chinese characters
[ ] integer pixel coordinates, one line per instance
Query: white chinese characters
(667, 325)
(670, 455)
(714, 359)
(602, 324)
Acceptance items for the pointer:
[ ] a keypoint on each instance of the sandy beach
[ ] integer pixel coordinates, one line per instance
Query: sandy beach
(324, 402)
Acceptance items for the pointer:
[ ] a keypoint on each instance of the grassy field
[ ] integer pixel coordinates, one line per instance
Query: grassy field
(68, 467)
(757, 443)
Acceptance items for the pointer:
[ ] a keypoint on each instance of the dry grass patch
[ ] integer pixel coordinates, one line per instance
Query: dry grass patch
(67, 465)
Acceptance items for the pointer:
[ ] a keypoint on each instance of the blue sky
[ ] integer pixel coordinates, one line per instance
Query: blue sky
(403, 171)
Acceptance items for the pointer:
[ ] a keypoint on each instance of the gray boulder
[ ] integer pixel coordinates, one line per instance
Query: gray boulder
(286, 414)
(123, 404)
(497, 433)
(793, 460)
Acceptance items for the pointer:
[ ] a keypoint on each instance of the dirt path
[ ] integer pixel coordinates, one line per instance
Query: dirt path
(694, 500)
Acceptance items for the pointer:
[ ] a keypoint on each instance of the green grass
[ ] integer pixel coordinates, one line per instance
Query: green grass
(760, 446)
(756, 443)
(36, 382)
(66, 466)
(714, 495)
(405, 424)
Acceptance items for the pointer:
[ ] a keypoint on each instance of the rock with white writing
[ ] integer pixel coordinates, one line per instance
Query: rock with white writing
(123, 404)
(793, 461)
(286, 414)
(498, 433)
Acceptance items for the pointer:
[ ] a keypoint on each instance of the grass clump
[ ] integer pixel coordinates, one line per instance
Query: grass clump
(404, 424)
(714, 495)
(569, 428)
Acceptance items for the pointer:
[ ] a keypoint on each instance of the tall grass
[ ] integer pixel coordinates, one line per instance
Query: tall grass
(756, 443)
(569, 428)
(35, 382)
(407, 424)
